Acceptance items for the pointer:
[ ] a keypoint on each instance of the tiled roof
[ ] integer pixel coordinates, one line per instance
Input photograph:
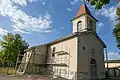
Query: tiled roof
(76, 34)
(84, 10)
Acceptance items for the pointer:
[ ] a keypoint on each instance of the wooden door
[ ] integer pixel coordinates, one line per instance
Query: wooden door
(93, 69)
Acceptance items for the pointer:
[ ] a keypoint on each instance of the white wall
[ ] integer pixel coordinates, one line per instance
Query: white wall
(89, 41)
(69, 46)
(112, 65)
(84, 22)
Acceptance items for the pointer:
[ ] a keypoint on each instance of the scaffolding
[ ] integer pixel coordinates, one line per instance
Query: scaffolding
(60, 63)
(22, 62)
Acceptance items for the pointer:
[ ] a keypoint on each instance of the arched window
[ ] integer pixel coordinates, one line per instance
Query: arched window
(79, 26)
(53, 49)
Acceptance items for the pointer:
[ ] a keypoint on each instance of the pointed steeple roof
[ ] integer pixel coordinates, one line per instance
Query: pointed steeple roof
(84, 10)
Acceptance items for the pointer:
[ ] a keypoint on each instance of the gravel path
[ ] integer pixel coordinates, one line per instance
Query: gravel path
(12, 77)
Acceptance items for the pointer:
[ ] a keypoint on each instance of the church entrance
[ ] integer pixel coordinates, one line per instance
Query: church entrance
(93, 69)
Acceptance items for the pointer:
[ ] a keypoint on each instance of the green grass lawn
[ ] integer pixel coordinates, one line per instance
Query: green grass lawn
(9, 71)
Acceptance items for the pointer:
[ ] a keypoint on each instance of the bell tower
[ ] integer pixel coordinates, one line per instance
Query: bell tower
(84, 21)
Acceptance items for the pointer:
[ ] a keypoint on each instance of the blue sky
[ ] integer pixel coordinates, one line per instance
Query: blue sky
(41, 21)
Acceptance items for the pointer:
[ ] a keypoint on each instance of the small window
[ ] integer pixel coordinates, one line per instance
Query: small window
(83, 48)
(79, 26)
(53, 49)
(53, 54)
(91, 25)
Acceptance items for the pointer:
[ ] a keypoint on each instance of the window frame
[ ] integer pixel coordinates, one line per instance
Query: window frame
(53, 50)
(79, 27)
(91, 25)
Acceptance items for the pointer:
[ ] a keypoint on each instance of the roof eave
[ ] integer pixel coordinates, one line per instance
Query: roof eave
(84, 14)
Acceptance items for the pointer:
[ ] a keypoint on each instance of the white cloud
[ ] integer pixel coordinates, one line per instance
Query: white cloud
(68, 9)
(32, 0)
(3, 31)
(61, 28)
(109, 13)
(113, 56)
(73, 2)
(44, 2)
(20, 2)
(21, 22)
(99, 26)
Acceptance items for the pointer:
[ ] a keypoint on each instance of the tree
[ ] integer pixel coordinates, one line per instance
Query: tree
(6, 46)
(11, 46)
(116, 31)
(98, 3)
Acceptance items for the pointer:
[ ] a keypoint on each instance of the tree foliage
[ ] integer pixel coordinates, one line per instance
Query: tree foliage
(116, 30)
(98, 3)
(11, 46)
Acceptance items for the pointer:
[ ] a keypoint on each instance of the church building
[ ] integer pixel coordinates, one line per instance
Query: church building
(78, 56)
